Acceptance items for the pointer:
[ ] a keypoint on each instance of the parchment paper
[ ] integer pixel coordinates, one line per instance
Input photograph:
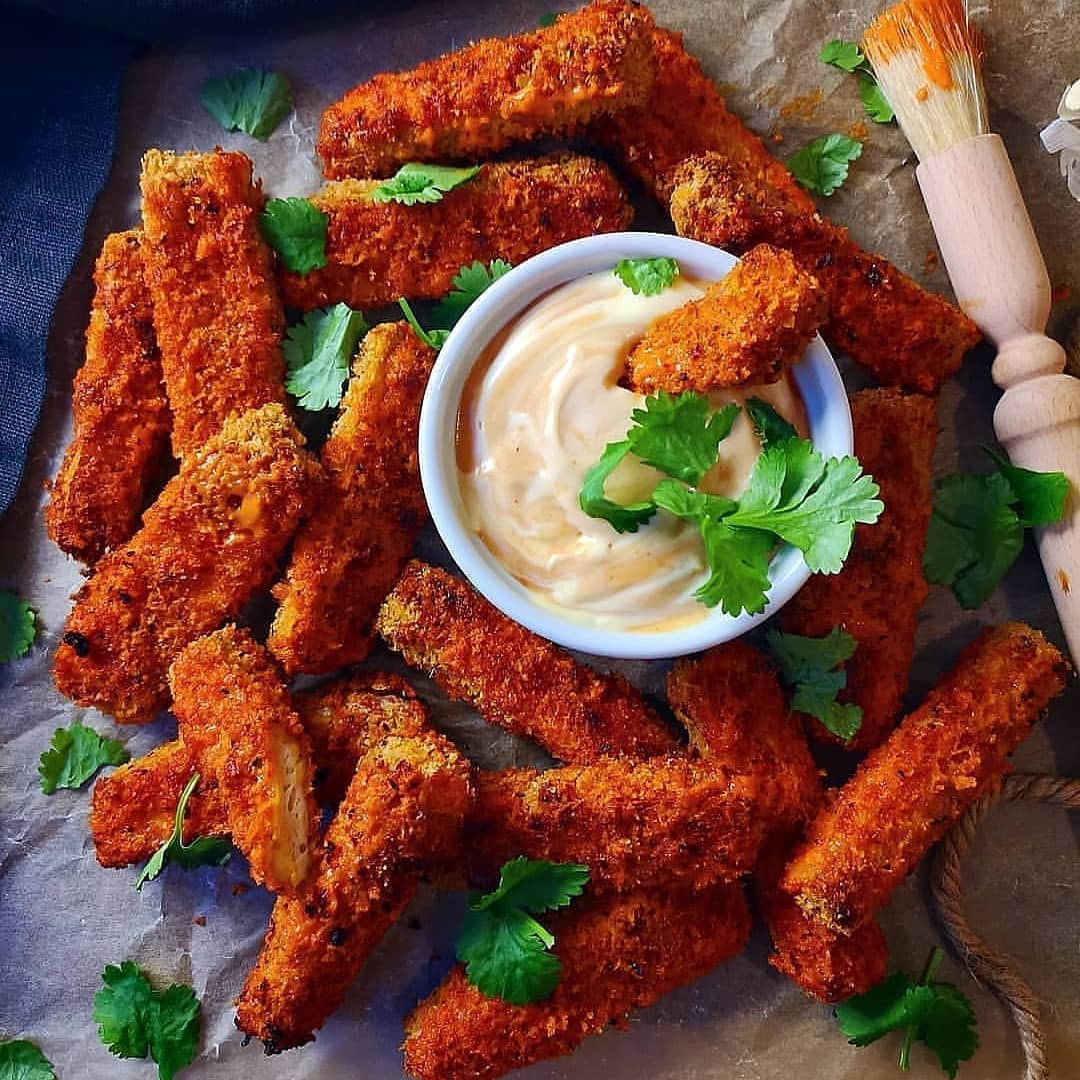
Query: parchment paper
(62, 918)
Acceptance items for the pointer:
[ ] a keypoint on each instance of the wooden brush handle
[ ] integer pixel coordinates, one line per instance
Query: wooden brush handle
(1000, 280)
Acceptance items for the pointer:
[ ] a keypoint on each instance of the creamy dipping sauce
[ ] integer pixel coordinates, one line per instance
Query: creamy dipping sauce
(536, 414)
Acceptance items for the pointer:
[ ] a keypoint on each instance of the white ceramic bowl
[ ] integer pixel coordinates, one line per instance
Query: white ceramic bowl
(816, 376)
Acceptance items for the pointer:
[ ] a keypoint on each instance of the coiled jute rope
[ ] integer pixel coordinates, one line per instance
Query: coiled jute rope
(989, 966)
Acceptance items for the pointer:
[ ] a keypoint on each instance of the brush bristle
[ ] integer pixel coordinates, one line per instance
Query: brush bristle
(928, 58)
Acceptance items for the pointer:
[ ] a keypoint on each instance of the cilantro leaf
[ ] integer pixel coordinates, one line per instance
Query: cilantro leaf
(17, 626)
(770, 426)
(504, 949)
(433, 339)
(694, 506)
(595, 503)
(948, 1027)
(417, 182)
(202, 851)
(867, 1017)
(875, 102)
(248, 100)
(134, 1020)
(469, 282)
(647, 276)
(822, 165)
(20, 1059)
(74, 755)
(297, 232)
(845, 55)
(318, 351)
(808, 667)
(680, 435)
(547, 19)
(738, 561)
(1041, 496)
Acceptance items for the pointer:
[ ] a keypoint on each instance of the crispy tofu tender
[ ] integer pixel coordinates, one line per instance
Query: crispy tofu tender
(403, 810)
(748, 328)
(910, 789)
(619, 953)
(120, 415)
(377, 252)
(211, 541)
(514, 678)
(346, 558)
(217, 314)
(905, 335)
(478, 100)
(877, 596)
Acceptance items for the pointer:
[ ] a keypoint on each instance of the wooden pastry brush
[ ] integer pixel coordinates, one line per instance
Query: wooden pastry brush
(927, 58)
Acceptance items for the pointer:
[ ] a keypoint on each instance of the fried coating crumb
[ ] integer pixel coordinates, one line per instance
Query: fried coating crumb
(910, 789)
(346, 558)
(210, 542)
(120, 416)
(619, 953)
(478, 100)
(903, 334)
(404, 809)
(512, 677)
(217, 314)
(877, 596)
(749, 327)
(237, 722)
(377, 252)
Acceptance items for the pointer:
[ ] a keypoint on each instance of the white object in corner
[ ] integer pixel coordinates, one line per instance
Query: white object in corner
(1062, 137)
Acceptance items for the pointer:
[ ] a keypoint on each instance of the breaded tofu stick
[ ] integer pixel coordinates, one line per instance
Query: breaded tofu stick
(210, 542)
(619, 953)
(120, 416)
(236, 720)
(685, 115)
(403, 811)
(347, 557)
(217, 314)
(736, 714)
(748, 328)
(478, 100)
(905, 335)
(910, 789)
(877, 596)
(660, 822)
(514, 678)
(379, 251)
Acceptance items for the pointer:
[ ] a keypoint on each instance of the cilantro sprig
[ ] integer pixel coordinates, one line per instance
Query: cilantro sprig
(822, 165)
(20, 1059)
(647, 276)
(847, 56)
(468, 284)
(135, 1020)
(977, 525)
(18, 626)
(74, 755)
(506, 952)
(433, 339)
(936, 1014)
(769, 425)
(202, 851)
(809, 668)
(318, 350)
(248, 100)
(417, 182)
(296, 230)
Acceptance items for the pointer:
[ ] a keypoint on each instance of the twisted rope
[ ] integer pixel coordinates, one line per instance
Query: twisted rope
(986, 964)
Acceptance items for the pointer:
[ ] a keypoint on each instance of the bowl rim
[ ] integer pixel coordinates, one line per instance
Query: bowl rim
(816, 375)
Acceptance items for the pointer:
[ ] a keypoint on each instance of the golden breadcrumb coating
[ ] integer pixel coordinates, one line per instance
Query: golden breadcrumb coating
(351, 551)
(377, 252)
(635, 824)
(909, 790)
(237, 722)
(515, 679)
(217, 313)
(120, 417)
(211, 541)
(619, 953)
(478, 100)
(403, 811)
(877, 596)
(902, 333)
(685, 115)
(748, 328)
